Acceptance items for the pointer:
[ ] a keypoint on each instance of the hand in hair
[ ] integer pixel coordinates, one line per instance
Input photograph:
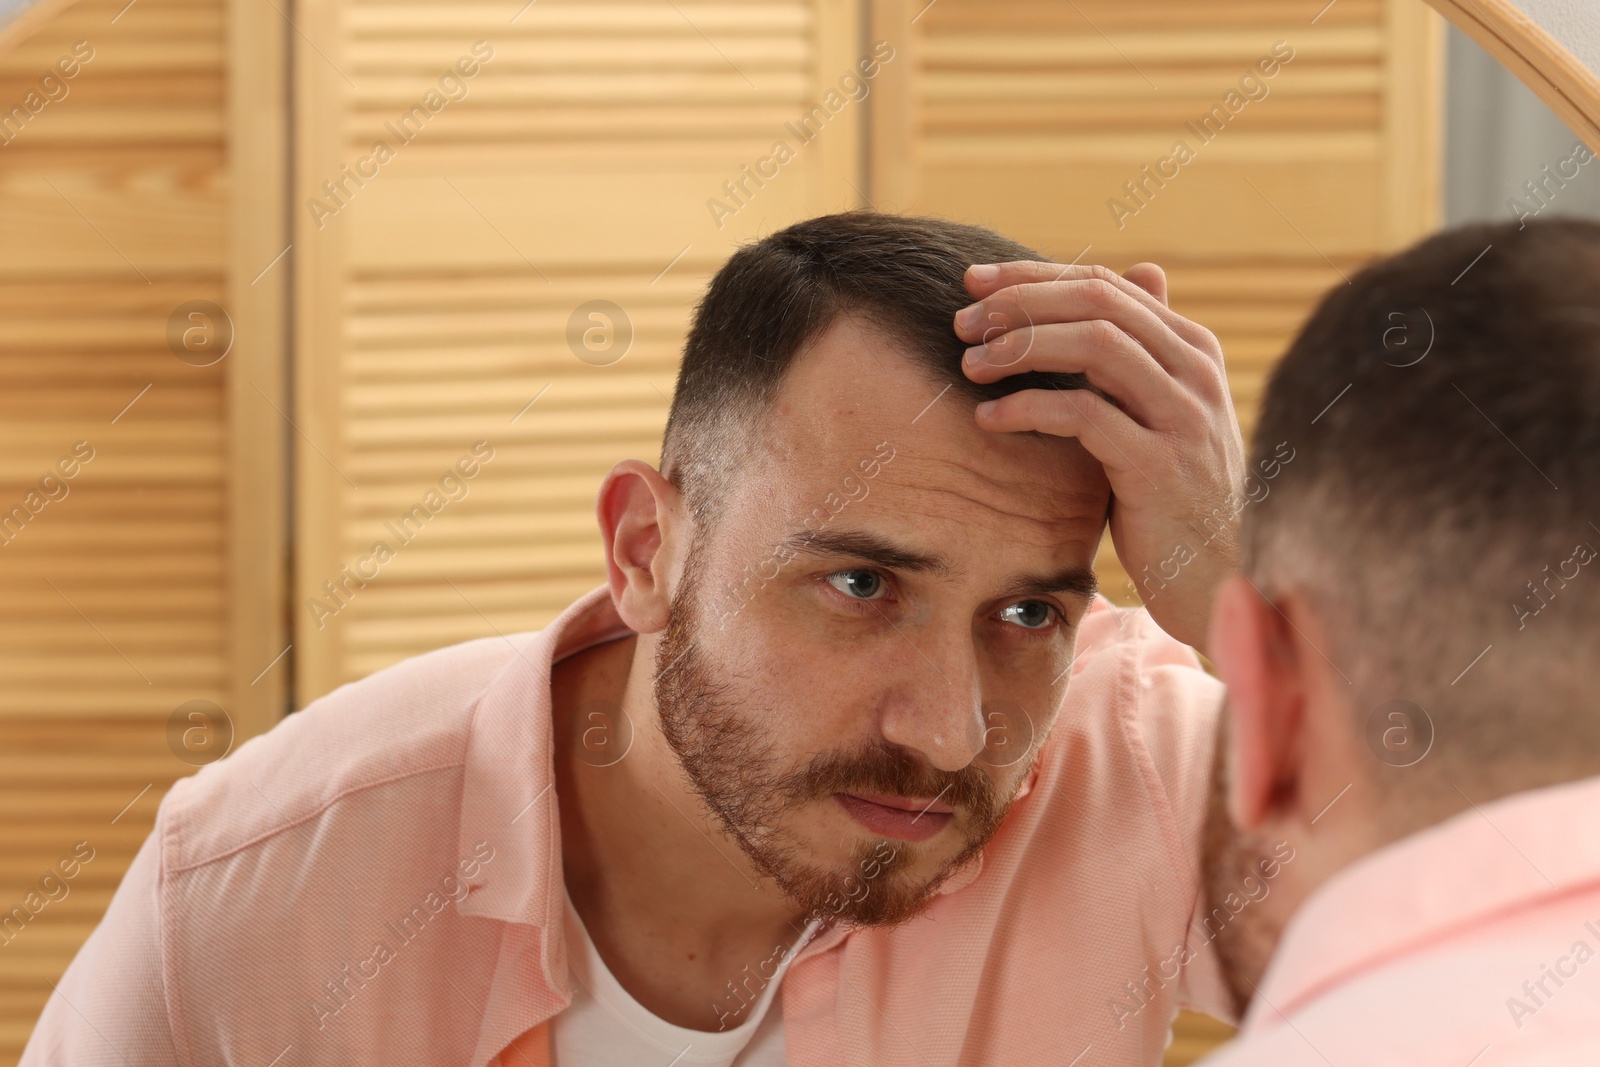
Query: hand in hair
(1159, 417)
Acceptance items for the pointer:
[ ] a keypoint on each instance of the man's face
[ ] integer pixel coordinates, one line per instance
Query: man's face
(866, 651)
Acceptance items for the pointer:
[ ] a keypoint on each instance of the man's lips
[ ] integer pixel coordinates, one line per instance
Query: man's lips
(905, 818)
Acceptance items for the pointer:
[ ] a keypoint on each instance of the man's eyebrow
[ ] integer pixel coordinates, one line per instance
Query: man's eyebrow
(868, 546)
(1071, 581)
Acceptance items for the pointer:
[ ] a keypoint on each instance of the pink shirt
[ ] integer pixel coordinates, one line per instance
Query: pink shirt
(1418, 953)
(378, 880)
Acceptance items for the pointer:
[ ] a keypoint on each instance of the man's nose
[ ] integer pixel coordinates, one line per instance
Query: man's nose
(935, 707)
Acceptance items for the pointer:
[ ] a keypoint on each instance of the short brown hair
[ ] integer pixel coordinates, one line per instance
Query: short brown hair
(902, 274)
(1444, 412)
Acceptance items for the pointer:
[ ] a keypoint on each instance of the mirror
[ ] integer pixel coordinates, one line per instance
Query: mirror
(258, 342)
(1548, 45)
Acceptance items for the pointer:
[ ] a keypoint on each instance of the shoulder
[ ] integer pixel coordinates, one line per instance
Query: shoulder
(397, 726)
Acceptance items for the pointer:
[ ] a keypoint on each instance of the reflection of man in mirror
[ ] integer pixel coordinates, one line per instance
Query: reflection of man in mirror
(1412, 675)
(846, 763)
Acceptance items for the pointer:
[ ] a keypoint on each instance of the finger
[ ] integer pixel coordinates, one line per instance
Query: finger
(1021, 272)
(1113, 362)
(1149, 277)
(1108, 435)
(983, 279)
(1036, 303)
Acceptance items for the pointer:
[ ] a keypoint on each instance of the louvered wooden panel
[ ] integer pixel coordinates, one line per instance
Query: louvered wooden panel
(1062, 104)
(56, 790)
(577, 167)
(436, 366)
(112, 213)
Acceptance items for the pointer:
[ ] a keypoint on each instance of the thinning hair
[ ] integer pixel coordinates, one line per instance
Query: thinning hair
(900, 275)
(1443, 502)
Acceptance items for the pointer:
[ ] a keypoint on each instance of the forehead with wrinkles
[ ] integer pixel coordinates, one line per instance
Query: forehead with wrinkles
(855, 391)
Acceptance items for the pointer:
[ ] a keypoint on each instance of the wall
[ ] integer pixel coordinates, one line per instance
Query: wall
(1499, 137)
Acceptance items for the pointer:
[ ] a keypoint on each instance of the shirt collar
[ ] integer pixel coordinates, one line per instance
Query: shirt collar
(1512, 853)
(508, 796)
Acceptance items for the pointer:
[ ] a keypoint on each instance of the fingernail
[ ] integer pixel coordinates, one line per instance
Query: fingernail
(973, 356)
(985, 272)
(985, 408)
(967, 316)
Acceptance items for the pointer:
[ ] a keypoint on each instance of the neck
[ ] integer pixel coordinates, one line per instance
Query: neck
(671, 902)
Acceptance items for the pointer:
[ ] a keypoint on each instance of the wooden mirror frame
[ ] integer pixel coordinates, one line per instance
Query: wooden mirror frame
(21, 23)
(1541, 62)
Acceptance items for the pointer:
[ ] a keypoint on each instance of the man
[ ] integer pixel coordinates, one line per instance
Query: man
(1412, 672)
(815, 778)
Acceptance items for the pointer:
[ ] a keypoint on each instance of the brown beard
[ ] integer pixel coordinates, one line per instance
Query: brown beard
(1244, 941)
(731, 764)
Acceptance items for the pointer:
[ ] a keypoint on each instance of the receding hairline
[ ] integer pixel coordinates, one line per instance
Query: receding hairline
(856, 312)
(901, 277)
(853, 311)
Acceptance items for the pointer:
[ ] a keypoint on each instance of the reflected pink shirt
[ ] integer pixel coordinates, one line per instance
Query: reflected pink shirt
(1475, 942)
(378, 880)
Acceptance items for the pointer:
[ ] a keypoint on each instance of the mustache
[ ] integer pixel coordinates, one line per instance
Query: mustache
(890, 771)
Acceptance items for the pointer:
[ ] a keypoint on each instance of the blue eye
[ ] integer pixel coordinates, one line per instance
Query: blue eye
(858, 584)
(1029, 614)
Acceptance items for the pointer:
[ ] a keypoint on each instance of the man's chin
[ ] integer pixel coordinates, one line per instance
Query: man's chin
(885, 902)
(867, 879)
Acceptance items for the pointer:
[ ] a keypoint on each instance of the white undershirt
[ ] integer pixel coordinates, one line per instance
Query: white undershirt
(605, 1027)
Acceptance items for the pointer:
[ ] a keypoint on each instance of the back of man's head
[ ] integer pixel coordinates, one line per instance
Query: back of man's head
(1441, 512)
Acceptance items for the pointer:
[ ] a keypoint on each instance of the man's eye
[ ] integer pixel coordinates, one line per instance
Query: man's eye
(859, 584)
(1029, 614)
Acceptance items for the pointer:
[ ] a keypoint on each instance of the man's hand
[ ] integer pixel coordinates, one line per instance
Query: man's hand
(1170, 444)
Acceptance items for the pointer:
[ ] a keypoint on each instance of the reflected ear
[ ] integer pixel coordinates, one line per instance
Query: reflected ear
(1251, 646)
(638, 508)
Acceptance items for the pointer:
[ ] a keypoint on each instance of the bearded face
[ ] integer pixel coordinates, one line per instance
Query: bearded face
(790, 805)
(873, 625)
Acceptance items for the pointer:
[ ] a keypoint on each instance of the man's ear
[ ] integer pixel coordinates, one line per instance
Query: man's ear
(638, 512)
(1254, 651)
